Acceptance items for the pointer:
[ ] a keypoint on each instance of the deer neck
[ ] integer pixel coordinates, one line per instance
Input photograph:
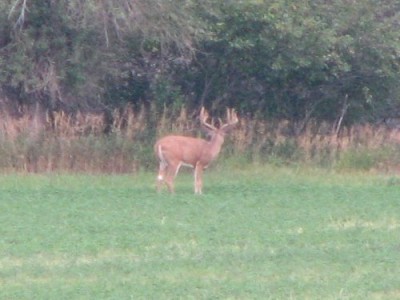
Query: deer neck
(215, 144)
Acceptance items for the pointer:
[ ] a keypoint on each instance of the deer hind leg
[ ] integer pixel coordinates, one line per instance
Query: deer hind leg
(166, 175)
(164, 171)
(198, 178)
(171, 172)
(161, 174)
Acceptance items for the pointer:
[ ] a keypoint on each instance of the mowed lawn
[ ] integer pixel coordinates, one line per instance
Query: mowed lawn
(256, 233)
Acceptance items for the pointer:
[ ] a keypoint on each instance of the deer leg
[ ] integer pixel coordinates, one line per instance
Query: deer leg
(198, 180)
(172, 171)
(161, 175)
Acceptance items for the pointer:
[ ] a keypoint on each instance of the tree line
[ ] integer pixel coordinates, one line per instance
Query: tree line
(323, 60)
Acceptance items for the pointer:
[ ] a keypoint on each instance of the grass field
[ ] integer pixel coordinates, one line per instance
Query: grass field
(256, 233)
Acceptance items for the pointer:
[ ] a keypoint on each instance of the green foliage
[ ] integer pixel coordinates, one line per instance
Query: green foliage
(300, 60)
(358, 160)
(366, 159)
(261, 232)
(166, 94)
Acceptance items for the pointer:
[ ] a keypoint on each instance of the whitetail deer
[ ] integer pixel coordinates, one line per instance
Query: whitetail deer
(174, 151)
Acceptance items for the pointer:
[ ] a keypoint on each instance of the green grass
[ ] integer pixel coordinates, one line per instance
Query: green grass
(256, 233)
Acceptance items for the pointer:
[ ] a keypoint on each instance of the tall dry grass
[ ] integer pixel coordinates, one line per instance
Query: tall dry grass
(358, 147)
(123, 142)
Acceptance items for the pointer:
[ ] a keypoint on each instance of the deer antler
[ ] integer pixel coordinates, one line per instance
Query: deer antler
(203, 119)
(232, 116)
(232, 119)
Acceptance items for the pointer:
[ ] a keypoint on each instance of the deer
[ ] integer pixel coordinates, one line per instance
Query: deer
(174, 151)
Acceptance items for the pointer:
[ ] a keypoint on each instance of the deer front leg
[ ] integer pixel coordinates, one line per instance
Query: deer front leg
(198, 178)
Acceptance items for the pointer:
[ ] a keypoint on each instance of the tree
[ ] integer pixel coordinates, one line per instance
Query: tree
(303, 60)
(77, 53)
